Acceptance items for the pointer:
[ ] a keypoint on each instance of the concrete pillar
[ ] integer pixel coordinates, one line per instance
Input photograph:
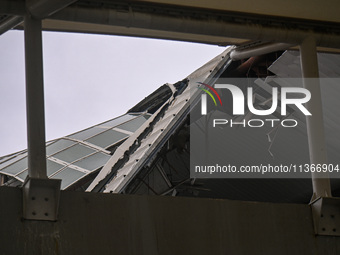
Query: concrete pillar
(35, 98)
(315, 127)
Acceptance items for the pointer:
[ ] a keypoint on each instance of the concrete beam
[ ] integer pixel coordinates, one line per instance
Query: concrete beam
(203, 27)
(303, 9)
(95, 28)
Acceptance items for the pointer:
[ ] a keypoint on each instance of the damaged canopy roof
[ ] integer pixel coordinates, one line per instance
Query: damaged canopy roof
(147, 150)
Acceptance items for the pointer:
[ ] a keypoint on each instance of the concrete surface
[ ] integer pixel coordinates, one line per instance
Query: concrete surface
(92, 223)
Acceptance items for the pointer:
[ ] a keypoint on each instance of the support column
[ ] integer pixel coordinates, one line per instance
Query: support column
(315, 127)
(35, 99)
(40, 194)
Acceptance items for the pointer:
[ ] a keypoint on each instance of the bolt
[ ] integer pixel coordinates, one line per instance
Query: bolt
(334, 229)
(46, 214)
(34, 213)
(46, 199)
(323, 229)
(33, 198)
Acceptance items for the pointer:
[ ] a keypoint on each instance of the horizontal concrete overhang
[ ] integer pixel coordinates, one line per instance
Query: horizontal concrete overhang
(215, 22)
(92, 28)
(318, 11)
(312, 10)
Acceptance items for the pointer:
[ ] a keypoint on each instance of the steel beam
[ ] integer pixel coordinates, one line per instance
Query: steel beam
(315, 127)
(44, 8)
(35, 99)
(10, 23)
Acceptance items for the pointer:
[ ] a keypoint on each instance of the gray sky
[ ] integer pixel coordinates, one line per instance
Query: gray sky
(88, 79)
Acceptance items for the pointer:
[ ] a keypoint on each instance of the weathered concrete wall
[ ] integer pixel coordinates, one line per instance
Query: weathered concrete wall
(124, 224)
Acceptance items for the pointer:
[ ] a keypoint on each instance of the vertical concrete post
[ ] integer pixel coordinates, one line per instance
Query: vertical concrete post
(35, 98)
(315, 127)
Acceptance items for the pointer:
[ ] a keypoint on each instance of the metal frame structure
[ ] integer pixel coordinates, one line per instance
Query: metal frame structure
(57, 149)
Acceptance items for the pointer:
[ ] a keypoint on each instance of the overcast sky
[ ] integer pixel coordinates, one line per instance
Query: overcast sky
(88, 79)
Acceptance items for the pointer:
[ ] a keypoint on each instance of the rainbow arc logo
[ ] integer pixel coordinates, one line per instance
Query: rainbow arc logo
(209, 93)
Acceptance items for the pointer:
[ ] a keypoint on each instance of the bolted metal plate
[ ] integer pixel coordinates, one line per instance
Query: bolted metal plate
(326, 215)
(41, 199)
